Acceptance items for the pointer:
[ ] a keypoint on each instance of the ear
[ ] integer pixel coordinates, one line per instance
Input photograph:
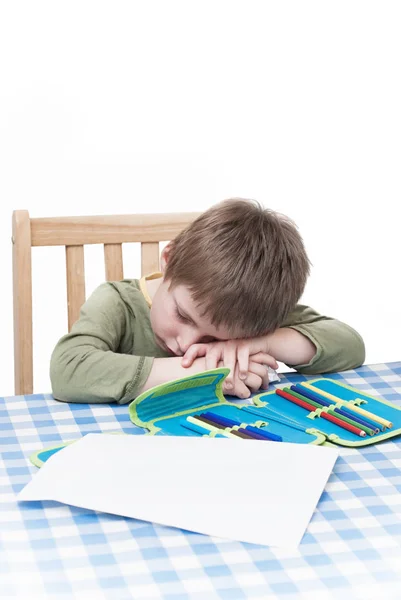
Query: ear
(164, 257)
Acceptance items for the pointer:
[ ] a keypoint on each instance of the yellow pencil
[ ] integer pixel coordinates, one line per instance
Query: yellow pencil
(354, 407)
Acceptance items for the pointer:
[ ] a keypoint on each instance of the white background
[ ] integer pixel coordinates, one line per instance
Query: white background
(122, 107)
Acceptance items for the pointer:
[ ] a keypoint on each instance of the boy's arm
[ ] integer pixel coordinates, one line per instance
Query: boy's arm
(338, 346)
(85, 365)
(308, 342)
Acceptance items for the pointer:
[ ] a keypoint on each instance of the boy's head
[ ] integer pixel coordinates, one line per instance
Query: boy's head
(244, 267)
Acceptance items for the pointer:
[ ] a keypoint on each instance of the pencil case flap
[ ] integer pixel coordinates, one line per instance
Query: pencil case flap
(178, 397)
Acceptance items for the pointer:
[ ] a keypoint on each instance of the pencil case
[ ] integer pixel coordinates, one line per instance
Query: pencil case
(359, 418)
(164, 410)
(171, 408)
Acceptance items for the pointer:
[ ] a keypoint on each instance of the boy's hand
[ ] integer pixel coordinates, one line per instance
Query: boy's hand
(256, 379)
(234, 354)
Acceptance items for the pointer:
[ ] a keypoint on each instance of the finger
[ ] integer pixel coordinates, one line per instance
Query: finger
(253, 382)
(239, 389)
(262, 372)
(265, 359)
(230, 361)
(193, 352)
(243, 361)
(213, 357)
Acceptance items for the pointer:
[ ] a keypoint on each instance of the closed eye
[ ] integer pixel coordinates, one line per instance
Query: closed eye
(181, 317)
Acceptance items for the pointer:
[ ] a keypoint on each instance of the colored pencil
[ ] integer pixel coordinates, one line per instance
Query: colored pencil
(266, 434)
(309, 394)
(367, 430)
(308, 400)
(231, 422)
(329, 402)
(210, 422)
(223, 420)
(254, 436)
(323, 414)
(242, 434)
(367, 423)
(208, 427)
(372, 416)
(352, 407)
(198, 429)
(330, 406)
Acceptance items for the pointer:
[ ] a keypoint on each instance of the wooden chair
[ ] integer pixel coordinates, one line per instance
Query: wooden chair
(74, 233)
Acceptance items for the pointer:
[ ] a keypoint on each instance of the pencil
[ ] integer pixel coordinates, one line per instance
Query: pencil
(197, 428)
(367, 423)
(329, 406)
(242, 434)
(352, 407)
(207, 426)
(346, 419)
(309, 394)
(323, 414)
(225, 421)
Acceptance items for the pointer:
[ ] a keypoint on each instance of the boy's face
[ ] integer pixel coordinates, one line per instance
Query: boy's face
(176, 320)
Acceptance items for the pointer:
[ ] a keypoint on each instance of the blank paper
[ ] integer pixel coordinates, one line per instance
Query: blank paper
(247, 490)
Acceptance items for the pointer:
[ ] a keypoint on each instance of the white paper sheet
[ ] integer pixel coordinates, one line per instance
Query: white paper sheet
(246, 490)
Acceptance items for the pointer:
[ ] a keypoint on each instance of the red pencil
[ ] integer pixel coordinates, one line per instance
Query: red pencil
(323, 414)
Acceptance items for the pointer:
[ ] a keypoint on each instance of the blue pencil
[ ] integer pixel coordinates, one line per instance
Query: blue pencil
(248, 428)
(267, 434)
(350, 415)
(219, 419)
(311, 395)
(342, 410)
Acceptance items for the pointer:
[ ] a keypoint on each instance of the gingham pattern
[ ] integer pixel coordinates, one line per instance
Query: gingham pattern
(47, 550)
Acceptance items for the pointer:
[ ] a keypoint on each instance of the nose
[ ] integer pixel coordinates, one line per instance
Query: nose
(187, 337)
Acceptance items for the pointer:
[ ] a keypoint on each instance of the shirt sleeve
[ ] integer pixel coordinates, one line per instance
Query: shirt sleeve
(338, 346)
(86, 366)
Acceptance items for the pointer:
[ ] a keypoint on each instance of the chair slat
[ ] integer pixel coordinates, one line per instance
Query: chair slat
(75, 282)
(113, 229)
(22, 302)
(113, 261)
(150, 258)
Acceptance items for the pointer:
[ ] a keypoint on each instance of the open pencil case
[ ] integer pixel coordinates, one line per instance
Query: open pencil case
(165, 409)
(169, 409)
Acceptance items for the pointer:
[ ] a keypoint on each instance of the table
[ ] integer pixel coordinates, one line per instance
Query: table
(352, 547)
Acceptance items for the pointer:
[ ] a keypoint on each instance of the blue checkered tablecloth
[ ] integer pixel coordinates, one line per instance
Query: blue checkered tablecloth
(352, 547)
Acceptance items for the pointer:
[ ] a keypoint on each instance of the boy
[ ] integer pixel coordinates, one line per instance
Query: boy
(227, 295)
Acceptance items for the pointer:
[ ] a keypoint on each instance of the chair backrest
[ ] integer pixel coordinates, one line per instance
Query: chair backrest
(74, 233)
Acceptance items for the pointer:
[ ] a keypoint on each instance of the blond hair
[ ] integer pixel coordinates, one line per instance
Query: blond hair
(245, 266)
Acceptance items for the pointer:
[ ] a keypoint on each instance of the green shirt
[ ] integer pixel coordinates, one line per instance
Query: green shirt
(109, 352)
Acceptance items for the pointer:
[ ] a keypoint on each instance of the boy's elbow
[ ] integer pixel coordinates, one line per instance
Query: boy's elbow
(60, 379)
(351, 352)
(58, 382)
(359, 351)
